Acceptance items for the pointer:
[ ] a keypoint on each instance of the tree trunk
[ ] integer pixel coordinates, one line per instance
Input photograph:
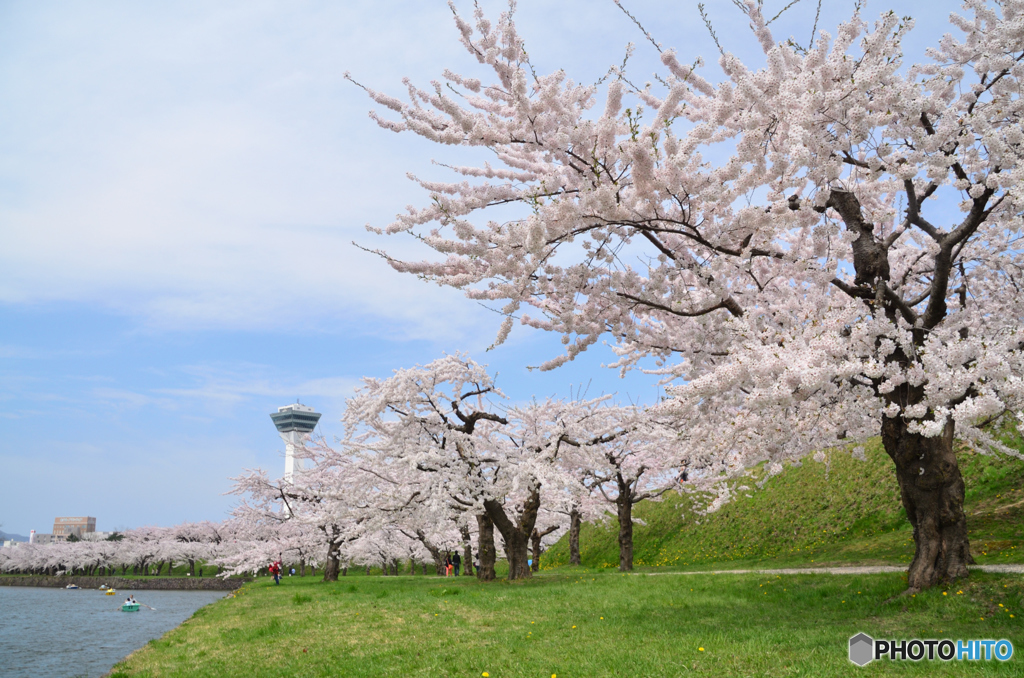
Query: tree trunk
(574, 537)
(333, 565)
(424, 569)
(367, 570)
(467, 552)
(384, 568)
(344, 571)
(517, 551)
(932, 491)
(931, 487)
(485, 548)
(434, 551)
(302, 567)
(624, 503)
(535, 541)
(516, 535)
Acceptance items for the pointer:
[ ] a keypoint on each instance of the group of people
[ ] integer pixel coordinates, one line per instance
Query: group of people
(452, 563)
(130, 600)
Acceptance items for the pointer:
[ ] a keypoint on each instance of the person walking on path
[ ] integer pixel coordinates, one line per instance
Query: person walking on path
(275, 569)
(456, 562)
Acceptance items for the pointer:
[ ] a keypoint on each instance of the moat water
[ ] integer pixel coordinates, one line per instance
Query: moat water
(57, 633)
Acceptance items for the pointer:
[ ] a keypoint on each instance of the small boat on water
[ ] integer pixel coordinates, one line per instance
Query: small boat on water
(130, 607)
(110, 592)
(72, 586)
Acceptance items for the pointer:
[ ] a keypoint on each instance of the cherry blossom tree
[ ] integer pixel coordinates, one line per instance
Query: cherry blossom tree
(333, 497)
(635, 458)
(434, 431)
(819, 248)
(434, 423)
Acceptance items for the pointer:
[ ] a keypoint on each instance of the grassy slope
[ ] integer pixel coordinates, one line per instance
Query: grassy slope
(847, 512)
(577, 622)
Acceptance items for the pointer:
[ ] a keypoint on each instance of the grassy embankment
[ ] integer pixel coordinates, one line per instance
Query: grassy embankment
(845, 512)
(579, 623)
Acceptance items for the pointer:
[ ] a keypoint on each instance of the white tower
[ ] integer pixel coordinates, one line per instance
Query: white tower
(294, 423)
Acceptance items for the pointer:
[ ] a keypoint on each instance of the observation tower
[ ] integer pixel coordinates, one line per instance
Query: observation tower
(294, 423)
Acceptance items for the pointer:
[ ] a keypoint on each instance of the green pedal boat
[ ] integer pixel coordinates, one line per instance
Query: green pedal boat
(130, 607)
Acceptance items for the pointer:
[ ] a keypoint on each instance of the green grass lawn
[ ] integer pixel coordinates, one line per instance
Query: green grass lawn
(581, 623)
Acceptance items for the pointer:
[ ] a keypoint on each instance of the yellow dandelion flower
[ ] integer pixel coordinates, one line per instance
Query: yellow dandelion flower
(574, 626)
(700, 649)
(485, 674)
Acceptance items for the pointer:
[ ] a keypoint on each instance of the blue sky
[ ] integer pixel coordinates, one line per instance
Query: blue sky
(179, 188)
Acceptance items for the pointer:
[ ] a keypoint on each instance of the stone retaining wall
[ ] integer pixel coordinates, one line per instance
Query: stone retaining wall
(119, 583)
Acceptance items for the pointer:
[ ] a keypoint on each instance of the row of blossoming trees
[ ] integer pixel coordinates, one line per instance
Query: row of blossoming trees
(823, 246)
(139, 551)
(436, 460)
(819, 248)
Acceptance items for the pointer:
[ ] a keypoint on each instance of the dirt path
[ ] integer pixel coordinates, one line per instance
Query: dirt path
(864, 569)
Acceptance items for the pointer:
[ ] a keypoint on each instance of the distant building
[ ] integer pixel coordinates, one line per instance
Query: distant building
(65, 527)
(9, 544)
(36, 538)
